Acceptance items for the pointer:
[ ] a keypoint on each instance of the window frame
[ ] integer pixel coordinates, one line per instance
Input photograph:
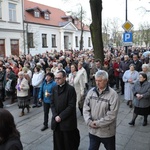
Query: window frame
(46, 16)
(53, 38)
(36, 14)
(89, 41)
(12, 13)
(44, 40)
(76, 41)
(30, 40)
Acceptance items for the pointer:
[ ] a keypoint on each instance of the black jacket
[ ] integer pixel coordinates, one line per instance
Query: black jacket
(64, 105)
(138, 65)
(13, 143)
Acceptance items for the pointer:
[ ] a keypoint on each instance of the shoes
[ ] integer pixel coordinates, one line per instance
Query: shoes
(132, 123)
(144, 123)
(39, 105)
(34, 106)
(28, 109)
(22, 114)
(128, 102)
(44, 128)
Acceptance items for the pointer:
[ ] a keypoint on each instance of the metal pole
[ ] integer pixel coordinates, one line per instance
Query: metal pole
(126, 19)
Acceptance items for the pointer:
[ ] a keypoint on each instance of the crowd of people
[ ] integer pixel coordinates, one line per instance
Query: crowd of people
(64, 81)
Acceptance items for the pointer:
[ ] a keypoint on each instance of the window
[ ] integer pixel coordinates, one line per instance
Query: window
(12, 12)
(46, 16)
(0, 10)
(53, 40)
(76, 41)
(30, 40)
(36, 14)
(44, 40)
(89, 42)
(2, 48)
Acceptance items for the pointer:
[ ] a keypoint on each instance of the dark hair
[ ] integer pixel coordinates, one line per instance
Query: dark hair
(37, 68)
(62, 72)
(7, 126)
(98, 60)
(144, 75)
(50, 74)
(76, 68)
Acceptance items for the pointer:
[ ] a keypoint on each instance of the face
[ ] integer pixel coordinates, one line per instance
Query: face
(60, 79)
(73, 69)
(79, 66)
(132, 68)
(144, 69)
(20, 76)
(141, 79)
(135, 57)
(100, 82)
(97, 64)
(125, 58)
(48, 78)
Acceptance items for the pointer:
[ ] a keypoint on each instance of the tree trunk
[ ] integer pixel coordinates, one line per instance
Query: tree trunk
(96, 28)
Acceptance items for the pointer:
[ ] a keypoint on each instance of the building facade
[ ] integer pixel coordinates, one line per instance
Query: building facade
(49, 29)
(28, 27)
(11, 27)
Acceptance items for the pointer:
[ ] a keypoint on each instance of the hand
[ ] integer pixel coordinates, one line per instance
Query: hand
(93, 124)
(130, 80)
(48, 94)
(57, 119)
(139, 96)
(40, 100)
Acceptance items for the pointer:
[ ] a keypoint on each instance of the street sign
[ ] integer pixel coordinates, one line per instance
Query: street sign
(127, 38)
(127, 26)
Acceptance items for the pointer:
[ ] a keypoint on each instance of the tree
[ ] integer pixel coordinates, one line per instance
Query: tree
(96, 28)
(79, 16)
(145, 33)
(106, 32)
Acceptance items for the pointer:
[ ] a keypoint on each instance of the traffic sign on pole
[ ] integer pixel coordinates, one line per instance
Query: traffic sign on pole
(127, 38)
(127, 26)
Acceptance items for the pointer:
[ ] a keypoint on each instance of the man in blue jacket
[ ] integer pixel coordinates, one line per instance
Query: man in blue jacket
(45, 94)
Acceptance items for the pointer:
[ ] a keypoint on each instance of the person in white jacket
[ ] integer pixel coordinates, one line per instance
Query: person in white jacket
(37, 80)
(82, 71)
(22, 92)
(76, 79)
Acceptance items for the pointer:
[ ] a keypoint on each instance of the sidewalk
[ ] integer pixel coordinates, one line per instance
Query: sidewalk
(127, 138)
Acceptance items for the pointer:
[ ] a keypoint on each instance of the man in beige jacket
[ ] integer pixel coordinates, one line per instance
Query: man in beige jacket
(100, 113)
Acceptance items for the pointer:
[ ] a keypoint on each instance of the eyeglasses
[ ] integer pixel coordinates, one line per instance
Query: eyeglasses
(58, 78)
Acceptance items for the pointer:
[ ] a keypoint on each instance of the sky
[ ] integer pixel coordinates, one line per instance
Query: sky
(111, 9)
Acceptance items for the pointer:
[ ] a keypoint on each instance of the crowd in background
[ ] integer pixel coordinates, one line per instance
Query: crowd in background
(80, 67)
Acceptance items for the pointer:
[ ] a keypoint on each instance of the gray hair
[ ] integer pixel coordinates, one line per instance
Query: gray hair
(101, 73)
(145, 66)
(21, 73)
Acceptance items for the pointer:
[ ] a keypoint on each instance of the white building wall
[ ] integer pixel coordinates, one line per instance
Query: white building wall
(11, 30)
(86, 35)
(37, 31)
(60, 33)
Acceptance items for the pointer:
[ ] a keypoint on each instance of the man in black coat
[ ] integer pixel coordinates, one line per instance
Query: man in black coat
(64, 121)
(137, 63)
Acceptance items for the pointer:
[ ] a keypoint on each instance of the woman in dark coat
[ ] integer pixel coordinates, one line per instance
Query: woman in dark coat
(141, 91)
(9, 135)
(2, 91)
